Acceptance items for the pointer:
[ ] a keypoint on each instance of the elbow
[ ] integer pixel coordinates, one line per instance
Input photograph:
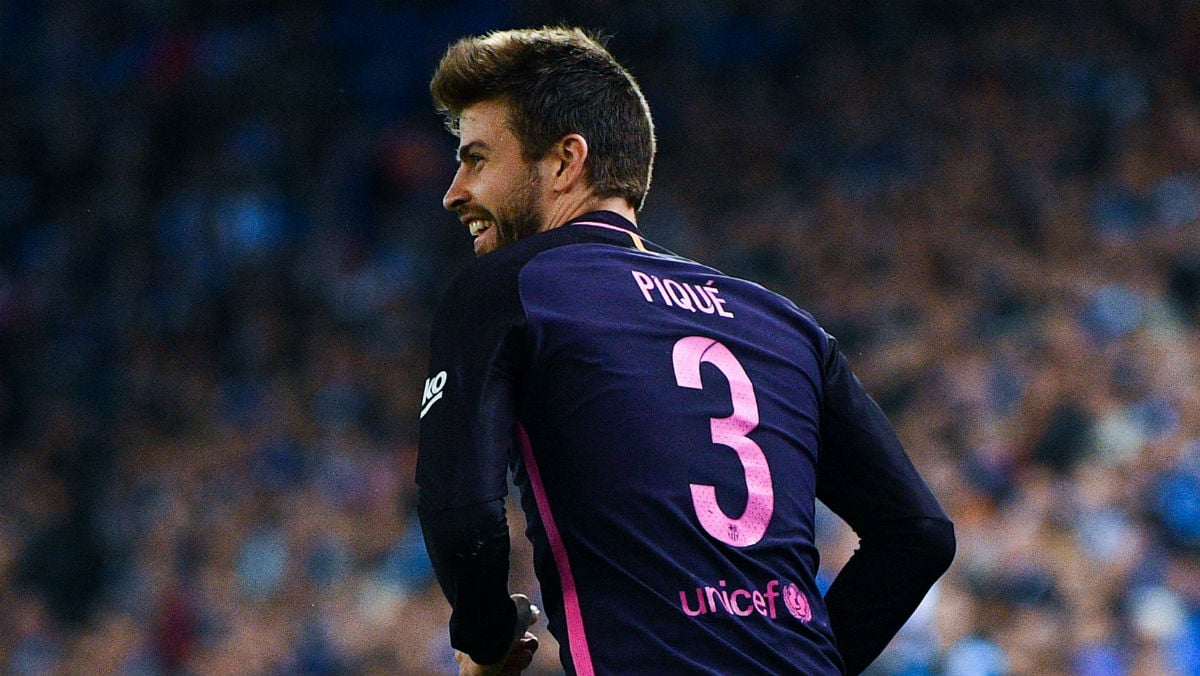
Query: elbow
(923, 547)
(936, 539)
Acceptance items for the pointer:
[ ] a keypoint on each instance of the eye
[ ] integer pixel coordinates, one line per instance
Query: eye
(470, 158)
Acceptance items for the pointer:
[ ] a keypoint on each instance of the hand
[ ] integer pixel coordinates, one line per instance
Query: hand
(520, 654)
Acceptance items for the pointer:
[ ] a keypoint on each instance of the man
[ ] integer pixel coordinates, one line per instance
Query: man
(669, 427)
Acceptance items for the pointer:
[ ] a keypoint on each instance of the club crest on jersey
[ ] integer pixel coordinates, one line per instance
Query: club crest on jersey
(434, 388)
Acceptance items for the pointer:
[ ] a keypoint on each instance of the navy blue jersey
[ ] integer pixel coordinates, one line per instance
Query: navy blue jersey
(670, 429)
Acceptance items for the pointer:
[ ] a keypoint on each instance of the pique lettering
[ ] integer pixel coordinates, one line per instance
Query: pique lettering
(704, 298)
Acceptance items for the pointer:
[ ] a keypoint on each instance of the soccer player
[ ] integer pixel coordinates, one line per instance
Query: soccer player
(669, 427)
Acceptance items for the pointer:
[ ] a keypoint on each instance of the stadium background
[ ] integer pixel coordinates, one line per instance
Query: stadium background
(221, 237)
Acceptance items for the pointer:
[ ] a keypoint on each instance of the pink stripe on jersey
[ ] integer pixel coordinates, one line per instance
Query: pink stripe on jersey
(637, 239)
(603, 225)
(576, 638)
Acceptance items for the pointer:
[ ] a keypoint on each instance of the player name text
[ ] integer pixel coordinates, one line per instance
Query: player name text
(704, 298)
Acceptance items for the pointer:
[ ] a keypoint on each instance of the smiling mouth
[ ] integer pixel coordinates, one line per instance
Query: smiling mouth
(479, 226)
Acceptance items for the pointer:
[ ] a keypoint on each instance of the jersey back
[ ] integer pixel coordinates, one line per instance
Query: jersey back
(667, 434)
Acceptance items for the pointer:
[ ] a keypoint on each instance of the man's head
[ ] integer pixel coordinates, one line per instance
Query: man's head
(568, 106)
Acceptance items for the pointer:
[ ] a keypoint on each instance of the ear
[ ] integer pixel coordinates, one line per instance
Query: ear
(569, 157)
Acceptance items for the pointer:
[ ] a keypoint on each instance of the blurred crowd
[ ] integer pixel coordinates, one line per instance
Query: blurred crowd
(221, 239)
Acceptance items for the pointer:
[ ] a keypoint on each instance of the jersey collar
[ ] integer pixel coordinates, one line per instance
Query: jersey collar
(610, 220)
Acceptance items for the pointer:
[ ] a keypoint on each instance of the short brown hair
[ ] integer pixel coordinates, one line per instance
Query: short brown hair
(557, 81)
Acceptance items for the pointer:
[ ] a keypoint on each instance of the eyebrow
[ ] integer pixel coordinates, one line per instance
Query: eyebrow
(466, 149)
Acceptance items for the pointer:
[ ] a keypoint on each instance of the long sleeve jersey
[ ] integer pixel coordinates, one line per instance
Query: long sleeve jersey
(669, 428)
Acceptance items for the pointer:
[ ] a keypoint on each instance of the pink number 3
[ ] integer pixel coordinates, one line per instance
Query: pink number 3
(749, 528)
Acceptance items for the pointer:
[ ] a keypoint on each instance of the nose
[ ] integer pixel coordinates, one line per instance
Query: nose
(456, 195)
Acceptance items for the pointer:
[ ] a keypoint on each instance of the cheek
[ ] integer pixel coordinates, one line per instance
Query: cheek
(488, 190)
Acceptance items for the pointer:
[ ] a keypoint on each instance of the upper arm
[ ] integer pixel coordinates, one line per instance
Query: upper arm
(864, 475)
(467, 411)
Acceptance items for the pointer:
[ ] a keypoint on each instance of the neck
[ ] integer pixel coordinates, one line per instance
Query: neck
(565, 211)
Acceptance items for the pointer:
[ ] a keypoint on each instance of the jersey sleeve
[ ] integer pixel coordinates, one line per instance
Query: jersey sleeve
(906, 539)
(467, 417)
(466, 409)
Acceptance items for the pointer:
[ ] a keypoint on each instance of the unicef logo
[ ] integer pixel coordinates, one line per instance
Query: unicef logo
(746, 601)
(797, 603)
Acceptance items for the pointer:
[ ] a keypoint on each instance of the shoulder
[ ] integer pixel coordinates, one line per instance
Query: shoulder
(484, 292)
(495, 277)
(483, 279)
(799, 319)
(488, 288)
